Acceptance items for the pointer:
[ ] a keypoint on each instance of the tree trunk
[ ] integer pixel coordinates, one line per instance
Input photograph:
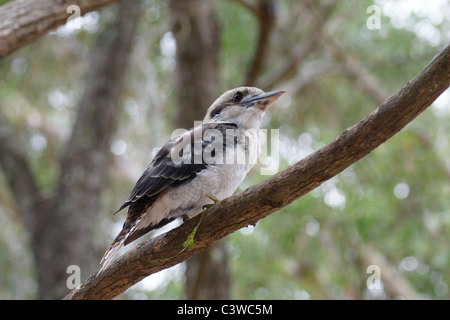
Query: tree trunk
(207, 274)
(69, 239)
(62, 227)
(197, 37)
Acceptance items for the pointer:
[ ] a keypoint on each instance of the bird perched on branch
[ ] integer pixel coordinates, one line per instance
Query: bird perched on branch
(197, 167)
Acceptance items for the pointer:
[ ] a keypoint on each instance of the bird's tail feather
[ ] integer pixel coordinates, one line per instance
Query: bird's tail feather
(132, 221)
(115, 246)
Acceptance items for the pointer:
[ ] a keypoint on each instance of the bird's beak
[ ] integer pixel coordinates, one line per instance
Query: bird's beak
(264, 101)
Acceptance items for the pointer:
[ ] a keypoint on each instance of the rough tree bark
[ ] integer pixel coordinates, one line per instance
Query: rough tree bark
(22, 21)
(197, 36)
(60, 227)
(261, 200)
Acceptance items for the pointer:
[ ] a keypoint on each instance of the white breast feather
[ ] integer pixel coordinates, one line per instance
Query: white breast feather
(220, 180)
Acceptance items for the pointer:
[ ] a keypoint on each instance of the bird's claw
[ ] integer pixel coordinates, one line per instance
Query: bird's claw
(209, 205)
(213, 198)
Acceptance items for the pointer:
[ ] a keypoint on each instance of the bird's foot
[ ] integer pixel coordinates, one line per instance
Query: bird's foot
(213, 198)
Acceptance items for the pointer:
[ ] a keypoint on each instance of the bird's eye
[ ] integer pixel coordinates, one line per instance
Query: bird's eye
(238, 96)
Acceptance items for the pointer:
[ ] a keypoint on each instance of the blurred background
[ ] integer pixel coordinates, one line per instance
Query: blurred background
(83, 108)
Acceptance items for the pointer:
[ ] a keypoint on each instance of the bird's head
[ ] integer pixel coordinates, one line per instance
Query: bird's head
(244, 106)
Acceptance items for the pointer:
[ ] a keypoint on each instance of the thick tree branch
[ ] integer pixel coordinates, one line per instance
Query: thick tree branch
(22, 21)
(261, 200)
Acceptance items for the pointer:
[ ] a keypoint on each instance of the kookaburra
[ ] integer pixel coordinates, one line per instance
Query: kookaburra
(192, 170)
